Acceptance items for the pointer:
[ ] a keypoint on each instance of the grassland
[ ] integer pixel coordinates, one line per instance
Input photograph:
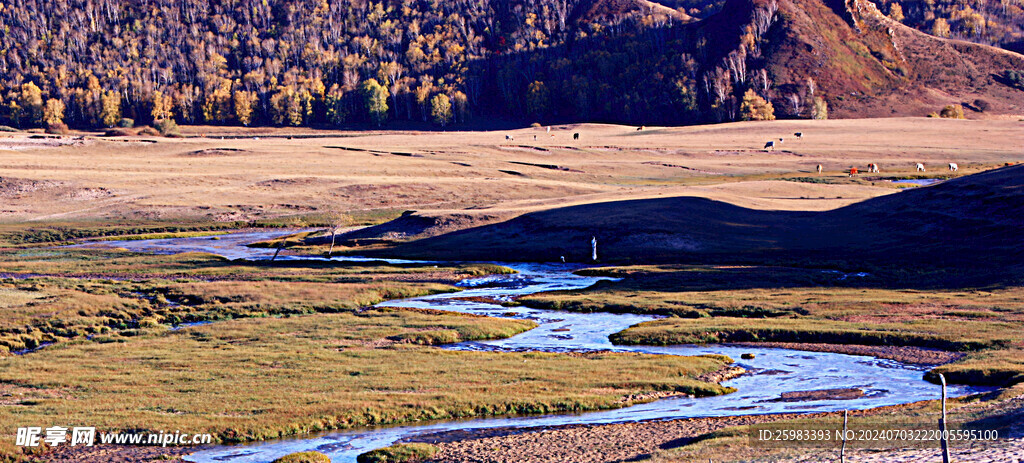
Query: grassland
(295, 348)
(293, 352)
(60, 294)
(271, 377)
(709, 304)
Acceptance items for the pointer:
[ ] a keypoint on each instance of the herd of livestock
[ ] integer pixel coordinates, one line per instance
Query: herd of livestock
(770, 146)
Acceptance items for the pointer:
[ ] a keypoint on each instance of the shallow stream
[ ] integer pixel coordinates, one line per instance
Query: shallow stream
(772, 371)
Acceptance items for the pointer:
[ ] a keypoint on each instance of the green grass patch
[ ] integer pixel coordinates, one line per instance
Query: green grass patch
(399, 453)
(725, 329)
(304, 457)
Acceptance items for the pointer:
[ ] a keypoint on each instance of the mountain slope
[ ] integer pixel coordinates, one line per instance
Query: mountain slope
(868, 65)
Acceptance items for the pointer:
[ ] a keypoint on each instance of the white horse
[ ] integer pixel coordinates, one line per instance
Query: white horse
(920, 167)
(953, 167)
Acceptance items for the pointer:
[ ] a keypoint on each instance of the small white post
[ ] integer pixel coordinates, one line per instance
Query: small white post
(942, 423)
(842, 450)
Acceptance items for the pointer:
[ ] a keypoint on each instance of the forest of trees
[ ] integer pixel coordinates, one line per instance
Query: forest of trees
(103, 63)
(992, 22)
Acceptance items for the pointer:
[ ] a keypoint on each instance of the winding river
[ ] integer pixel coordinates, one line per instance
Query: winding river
(772, 371)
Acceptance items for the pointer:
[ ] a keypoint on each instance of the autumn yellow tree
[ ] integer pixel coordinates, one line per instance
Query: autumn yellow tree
(376, 97)
(53, 113)
(244, 105)
(31, 103)
(163, 106)
(940, 28)
(896, 12)
(441, 109)
(820, 108)
(217, 105)
(110, 108)
(755, 108)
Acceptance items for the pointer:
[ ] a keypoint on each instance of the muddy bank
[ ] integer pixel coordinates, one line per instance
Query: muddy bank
(116, 454)
(848, 393)
(576, 443)
(903, 354)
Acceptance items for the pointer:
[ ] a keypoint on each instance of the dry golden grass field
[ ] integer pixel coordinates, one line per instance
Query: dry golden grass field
(210, 176)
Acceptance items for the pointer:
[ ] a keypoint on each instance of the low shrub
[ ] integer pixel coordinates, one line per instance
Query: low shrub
(304, 457)
(59, 128)
(399, 453)
(126, 123)
(168, 128)
(953, 111)
(118, 133)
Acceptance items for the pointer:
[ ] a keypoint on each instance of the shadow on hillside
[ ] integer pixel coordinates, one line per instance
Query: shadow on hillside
(966, 231)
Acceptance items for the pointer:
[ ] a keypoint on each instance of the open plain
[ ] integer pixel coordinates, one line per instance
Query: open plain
(295, 347)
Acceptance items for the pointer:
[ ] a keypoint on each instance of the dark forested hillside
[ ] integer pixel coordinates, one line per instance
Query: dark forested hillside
(102, 63)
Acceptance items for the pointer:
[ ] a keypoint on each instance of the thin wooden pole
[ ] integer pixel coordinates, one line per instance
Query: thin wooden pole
(846, 422)
(942, 423)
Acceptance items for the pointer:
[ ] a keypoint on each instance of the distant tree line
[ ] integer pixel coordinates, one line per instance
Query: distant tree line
(103, 63)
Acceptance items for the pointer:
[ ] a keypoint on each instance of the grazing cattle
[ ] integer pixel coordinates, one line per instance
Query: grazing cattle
(799, 135)
(508, 137)
(576, 136)
(819, 168)
(534, 138)
(873, 167)
(770, 144)
(639, 128)
(780, 141)
(953, 167)
(853, 171)
(920, 167)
